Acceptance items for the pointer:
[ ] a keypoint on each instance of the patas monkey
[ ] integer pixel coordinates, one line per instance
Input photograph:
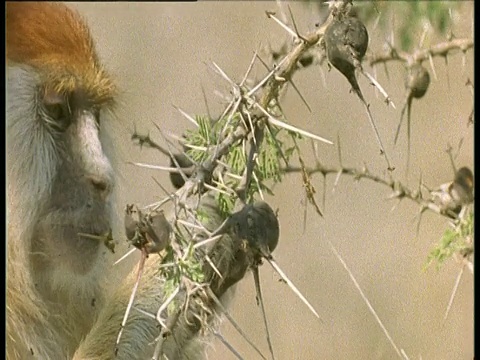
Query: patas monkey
(59, 184)
(59, 179)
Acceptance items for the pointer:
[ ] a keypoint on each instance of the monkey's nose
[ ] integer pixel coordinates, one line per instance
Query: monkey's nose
(101, 184)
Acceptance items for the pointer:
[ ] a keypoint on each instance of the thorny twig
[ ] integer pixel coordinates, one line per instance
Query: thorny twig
(440, 49)
(399, 191)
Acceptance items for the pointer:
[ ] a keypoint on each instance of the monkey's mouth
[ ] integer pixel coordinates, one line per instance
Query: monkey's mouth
(74, 236)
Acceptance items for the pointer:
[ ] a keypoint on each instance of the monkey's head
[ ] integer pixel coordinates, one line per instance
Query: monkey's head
(59, 178)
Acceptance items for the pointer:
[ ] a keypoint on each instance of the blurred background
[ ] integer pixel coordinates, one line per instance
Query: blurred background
(160, 54)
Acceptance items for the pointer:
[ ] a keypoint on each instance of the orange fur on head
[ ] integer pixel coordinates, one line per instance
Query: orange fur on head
(55, 40)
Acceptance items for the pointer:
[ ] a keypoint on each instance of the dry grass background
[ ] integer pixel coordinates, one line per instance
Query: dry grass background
(158, 52)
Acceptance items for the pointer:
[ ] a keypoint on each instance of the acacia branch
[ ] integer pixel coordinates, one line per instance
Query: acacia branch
(399, 191)
(440, 49)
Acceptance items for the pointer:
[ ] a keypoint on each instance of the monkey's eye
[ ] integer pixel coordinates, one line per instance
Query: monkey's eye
(97, 113)
(56, 108)
(60, 116)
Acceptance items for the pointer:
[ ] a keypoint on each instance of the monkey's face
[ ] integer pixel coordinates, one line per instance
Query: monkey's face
(79, 198)
(59, 179)
(62, 184)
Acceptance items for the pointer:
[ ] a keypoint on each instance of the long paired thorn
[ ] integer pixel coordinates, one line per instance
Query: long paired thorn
(406, 106)
(227, 345)
(249, 69)
(266, 78)
(289, 127)
(233, 322)
(375, 130)
(402, 113)
(293, 287)
(141, 266)
(91, 236)
(210, 262)
(409, 111)
(295, 87)
(131, 251)
(271, 15)
(452, 158)
(432, 66)
(256, 277)
(454, 292)
(222, 73)
(207, 241)
(154, 167)
(297, 90)
(293, 21)
(379, 88)
(356, 89)
(207, 108)
(364, 297)
(186, 115)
